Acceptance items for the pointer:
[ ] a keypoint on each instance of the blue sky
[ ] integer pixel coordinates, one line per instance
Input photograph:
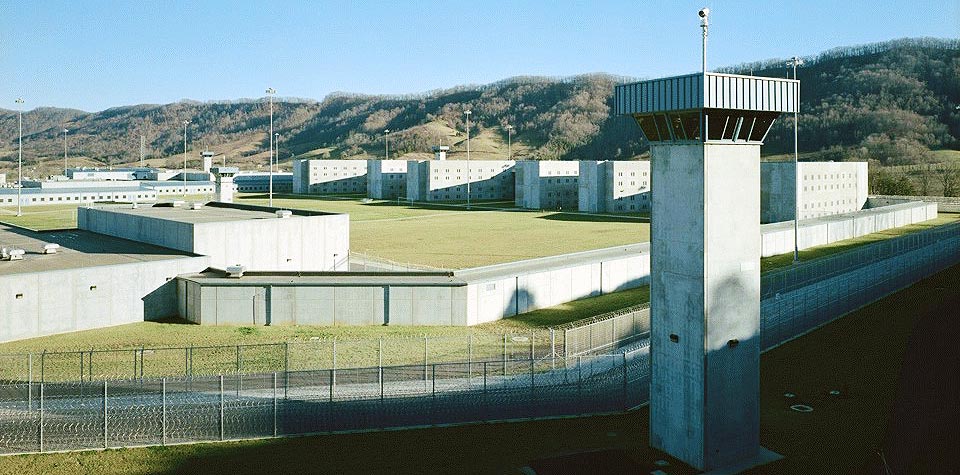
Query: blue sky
(94, 54)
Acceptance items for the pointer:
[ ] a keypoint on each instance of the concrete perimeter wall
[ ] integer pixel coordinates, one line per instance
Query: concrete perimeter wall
(778, 237)
(46, 303)
(949, 204)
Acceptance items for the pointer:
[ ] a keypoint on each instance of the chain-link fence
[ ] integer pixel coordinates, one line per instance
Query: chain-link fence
(193, 361)
(607, 331)
(44, 417)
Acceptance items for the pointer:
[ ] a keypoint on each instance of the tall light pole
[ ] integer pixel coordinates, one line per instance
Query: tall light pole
(509, 150)
(19, 102)
(65, 152)
(276, 151)
(185, 123)
(142, 145)
(704, 24)
(270, 92)
(386, 144)
(467, 113)
(795, 61)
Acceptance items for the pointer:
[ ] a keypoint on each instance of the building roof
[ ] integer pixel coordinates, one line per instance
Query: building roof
(78, 249)
(708, 91)
(211, 212)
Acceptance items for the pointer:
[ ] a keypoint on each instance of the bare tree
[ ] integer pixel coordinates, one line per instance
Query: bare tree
(950, 179)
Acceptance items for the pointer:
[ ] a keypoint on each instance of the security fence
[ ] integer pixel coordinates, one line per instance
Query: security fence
(607, 331)
(800, 298)
(193, 361)
(134, 412)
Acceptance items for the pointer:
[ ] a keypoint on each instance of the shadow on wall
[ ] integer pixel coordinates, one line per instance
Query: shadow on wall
(521, 301)
(732, 415)
(162, 302)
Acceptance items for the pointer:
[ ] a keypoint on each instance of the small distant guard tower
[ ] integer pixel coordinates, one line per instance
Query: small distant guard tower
(705, 131)
(207, 160)
(224, 184)
(440, 152)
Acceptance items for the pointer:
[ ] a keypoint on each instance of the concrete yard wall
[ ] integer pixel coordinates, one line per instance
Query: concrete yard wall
(462, 298)
(46, 303)
(949, 204)
(503, 290)
(778, 237)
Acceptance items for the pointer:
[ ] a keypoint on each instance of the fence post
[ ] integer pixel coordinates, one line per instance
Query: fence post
(141, 365)
(41, 416)
(30, 382)
(163, 411)
(533, 337)
(626, 403)
(286, 368)
(434, 381)
(221, 407)
(504, 354)
(81, 371)
(333, 372)
(239, 372)
(104, 413)
(90, 366)
(470, 359)
(380, 365)
(43, 359)
(579, 377)
(134, 351)
(274, 403)
(531, 376)
(553, 349)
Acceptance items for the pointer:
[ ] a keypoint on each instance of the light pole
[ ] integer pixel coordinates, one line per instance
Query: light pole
(142, 145)
(386, 144)
(185, 123)
(467, 113)
(795, 61)
(19, 102)
(276, 151)
(509, 150)
(704, 24)
(270, 92)
(65, 152)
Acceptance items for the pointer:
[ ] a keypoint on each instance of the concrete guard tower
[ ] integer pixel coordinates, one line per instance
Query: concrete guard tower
(705, 131)
(225, 187)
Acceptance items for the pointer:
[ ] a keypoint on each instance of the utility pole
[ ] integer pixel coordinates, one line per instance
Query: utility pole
(509, 133)
(185, 123)
(19, 102)
(270, 92)
(65, 152)
(795, 61)
(142, 147)
(467, 113)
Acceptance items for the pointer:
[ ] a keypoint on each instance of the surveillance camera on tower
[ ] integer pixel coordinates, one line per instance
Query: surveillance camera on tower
(704, 12)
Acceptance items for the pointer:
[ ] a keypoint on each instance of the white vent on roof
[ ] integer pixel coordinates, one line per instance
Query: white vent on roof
(50, 248)
(284, 213)
(196, 205)
(13, 254)
(235, 271)
(178, 204)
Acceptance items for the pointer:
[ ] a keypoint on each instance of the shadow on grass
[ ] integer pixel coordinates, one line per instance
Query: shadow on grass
(596, 218)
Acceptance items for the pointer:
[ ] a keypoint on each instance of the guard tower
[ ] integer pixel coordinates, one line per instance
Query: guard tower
(224, 185)
(440, 152)
(705, 131)
(207, 160)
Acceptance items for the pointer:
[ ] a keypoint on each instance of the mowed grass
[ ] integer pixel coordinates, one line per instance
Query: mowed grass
(861, 354)
(453, 237)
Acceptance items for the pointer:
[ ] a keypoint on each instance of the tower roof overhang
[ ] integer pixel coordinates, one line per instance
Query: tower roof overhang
(730, 107)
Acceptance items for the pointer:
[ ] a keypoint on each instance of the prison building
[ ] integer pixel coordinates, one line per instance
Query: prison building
(826, 188)
(446, 180)
(614, 186)
(323, 177)
(386, 179)
(259, 182)
(79, 195)
(179, 187)
(547, 184)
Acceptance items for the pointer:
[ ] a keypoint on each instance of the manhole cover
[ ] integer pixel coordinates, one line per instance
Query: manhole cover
(661, 463)
(834, 393)
(789, 395)
(801, 408)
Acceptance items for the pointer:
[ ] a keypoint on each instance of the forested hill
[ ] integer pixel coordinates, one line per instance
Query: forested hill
(889, 101)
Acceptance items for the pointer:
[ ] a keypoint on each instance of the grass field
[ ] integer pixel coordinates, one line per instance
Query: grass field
(860, 354)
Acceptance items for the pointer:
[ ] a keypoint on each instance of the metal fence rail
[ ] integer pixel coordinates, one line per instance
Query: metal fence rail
(110, 413)
(606, 332)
